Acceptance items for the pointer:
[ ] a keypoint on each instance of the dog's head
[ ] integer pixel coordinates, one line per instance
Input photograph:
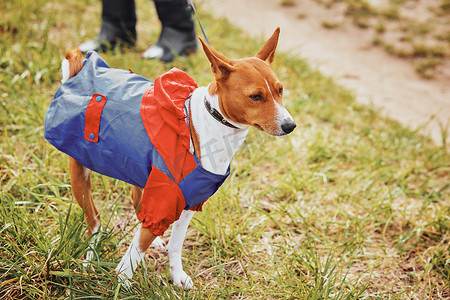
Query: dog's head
(249, 91)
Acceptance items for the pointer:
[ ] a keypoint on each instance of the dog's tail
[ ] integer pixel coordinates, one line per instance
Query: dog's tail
(72, 64)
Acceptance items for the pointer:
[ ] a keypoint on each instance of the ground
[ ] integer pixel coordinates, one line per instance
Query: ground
(327, 35)
(349, 206)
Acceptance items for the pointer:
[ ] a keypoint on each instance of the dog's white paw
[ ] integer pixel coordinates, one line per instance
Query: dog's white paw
(158, 244)
(87, 262)
(123, 279)
(89, 255)
(181, 279)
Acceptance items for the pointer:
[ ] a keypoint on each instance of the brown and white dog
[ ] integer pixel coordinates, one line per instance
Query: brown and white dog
(246, 92)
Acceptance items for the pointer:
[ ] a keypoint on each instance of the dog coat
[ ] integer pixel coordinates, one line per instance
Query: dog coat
(120, 124)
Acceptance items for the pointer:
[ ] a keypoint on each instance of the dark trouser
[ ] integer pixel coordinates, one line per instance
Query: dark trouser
(119, 18)
(175, 14)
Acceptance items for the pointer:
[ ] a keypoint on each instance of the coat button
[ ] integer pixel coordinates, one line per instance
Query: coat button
(91, 136)
(99, 98)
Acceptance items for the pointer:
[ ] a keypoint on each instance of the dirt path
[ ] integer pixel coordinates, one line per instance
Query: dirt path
(345, 54)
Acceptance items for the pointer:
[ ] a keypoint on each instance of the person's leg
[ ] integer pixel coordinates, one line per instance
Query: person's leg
(118, 25)
(177, 33)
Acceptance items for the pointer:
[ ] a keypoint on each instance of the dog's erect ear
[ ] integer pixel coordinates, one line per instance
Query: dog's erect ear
(267, 52)
(220, 65)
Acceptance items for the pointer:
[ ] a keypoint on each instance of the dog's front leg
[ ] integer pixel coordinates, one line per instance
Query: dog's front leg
(179, 277)
(134, 255)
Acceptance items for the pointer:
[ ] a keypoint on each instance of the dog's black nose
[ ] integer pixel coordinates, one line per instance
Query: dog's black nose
(288, 127)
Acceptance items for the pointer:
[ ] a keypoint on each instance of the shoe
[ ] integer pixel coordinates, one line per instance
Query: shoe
(95, 45)
(101, 46)
(172, 42)
(109, 37)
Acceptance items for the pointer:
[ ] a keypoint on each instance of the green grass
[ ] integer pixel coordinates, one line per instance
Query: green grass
(351, 205)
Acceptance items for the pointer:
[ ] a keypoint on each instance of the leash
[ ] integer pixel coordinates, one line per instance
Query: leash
(199, 23)
(212, 111)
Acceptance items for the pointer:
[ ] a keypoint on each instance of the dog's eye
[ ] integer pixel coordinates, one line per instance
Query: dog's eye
(256, 97)
(280, 91)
